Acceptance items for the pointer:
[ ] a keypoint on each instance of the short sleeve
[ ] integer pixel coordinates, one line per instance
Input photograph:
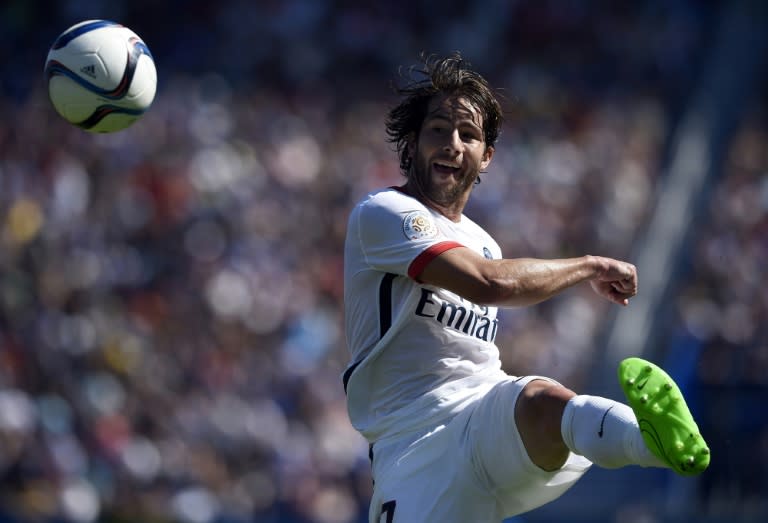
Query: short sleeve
(399, 235)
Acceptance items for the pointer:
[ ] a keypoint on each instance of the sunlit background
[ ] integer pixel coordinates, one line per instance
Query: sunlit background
(171, 338)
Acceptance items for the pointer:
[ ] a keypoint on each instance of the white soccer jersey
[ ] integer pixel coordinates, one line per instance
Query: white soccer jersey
(418, 353)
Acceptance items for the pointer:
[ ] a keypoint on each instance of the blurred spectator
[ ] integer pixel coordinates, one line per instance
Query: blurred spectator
(721, 319)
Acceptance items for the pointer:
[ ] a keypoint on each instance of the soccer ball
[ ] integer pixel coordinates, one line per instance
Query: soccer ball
(101, 76)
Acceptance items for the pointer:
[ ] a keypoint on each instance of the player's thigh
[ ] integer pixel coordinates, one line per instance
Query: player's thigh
(499, 455)
(432, 480)
(432, 499)
(494, 438)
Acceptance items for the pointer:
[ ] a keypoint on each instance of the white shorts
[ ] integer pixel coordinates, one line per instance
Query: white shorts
(472, 469)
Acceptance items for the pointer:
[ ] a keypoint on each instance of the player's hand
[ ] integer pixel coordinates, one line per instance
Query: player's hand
(615, 281)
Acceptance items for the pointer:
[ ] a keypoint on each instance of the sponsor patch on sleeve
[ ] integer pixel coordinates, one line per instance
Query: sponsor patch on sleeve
(418, 225)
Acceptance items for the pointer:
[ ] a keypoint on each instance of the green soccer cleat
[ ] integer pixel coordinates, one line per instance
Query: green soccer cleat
(665, 421)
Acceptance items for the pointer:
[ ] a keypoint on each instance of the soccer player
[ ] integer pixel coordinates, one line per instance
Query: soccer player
(453, 437)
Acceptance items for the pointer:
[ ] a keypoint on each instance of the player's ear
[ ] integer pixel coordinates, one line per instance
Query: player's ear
(487, 156)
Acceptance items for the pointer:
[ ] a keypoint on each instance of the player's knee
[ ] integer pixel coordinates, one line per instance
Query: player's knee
(544, 401)
(538, 415)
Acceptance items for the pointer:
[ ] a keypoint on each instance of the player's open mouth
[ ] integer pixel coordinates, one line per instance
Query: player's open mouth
(444, 168)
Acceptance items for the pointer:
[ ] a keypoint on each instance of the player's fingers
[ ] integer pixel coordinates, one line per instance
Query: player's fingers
(612, 292)
(621, 298)
(620, 291)
(627, 285)
(626, 271)
(620, 271)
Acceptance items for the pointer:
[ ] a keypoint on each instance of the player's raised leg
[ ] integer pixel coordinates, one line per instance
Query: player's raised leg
(656, 429)
(665, 422)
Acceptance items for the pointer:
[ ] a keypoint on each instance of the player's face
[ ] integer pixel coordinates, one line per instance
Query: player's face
(450, 150)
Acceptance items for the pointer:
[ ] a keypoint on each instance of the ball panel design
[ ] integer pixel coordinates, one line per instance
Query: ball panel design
(142, 89)
(109, 118)
(79, 29)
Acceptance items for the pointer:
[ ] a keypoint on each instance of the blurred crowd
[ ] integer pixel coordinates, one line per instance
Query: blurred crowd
(171, 338)
(720, 324)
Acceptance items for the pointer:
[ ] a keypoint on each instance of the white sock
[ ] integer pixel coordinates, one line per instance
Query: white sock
(605, 432)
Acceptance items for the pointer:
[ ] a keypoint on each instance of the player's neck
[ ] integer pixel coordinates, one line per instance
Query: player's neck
(452, 210)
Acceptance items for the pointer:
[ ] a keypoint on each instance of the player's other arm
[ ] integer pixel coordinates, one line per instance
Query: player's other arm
(527, 281)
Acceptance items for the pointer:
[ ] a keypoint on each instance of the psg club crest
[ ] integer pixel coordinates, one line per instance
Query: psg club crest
(418, 225)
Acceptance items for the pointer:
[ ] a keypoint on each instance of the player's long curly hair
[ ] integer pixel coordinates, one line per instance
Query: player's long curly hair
(450, 75)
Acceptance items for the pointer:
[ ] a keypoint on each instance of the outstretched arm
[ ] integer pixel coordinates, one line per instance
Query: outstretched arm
(527, 281)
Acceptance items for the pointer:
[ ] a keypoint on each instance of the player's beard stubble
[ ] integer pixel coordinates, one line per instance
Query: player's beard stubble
(446, 194)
